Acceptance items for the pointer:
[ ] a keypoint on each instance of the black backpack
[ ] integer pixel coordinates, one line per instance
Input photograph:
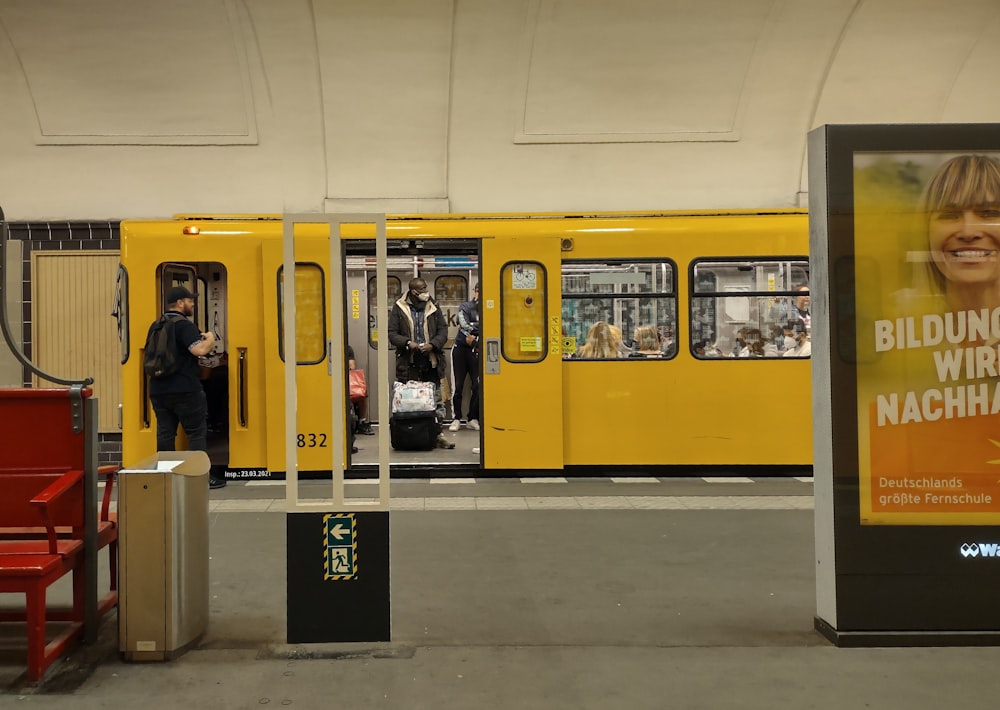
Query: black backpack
(161, 358)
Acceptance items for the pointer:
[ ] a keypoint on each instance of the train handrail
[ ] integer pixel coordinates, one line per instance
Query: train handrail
(241, 387)
(144, 393)
(5, 323)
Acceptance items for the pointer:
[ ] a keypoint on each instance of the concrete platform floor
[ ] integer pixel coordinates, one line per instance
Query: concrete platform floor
(704, 601)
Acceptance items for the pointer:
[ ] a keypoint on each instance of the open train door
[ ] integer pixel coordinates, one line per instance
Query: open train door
(522, 353)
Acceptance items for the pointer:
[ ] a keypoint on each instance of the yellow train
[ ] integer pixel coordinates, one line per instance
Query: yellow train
(717, 389)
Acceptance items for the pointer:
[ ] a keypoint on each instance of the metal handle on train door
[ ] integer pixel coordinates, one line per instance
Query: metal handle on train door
(144, 393)
(241, 386)
(492, 356)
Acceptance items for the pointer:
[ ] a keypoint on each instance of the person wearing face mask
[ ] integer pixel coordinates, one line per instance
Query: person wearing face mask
(788, 336)
(802, 345)
(418, 331)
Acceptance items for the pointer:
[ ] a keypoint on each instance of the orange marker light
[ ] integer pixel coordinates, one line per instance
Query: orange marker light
(192, 229)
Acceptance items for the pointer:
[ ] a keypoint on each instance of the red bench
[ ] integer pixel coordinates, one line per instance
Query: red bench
(31, 566)
(50, 523)
(107, 532)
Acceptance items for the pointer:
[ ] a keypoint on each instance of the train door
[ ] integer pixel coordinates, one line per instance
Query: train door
(522, 357)
(232, 443)
(451, 269)
(314, 425)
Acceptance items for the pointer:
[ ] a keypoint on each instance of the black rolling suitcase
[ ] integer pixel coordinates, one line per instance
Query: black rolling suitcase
(413, 431)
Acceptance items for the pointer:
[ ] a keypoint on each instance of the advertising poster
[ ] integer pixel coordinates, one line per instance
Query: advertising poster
(927, 300)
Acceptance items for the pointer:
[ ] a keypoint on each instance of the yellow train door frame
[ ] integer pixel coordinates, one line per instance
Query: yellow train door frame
(314, 436)
(522, 353)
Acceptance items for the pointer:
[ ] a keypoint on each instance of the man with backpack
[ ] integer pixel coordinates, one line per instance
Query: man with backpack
(173, 346)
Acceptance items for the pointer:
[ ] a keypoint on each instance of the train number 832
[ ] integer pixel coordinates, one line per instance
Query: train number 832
(311, 441)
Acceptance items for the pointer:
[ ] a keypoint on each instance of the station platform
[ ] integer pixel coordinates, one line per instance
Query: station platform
(542, 593)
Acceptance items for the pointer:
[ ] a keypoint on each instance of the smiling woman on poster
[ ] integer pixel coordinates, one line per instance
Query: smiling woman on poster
(930, 398)
(962, 207)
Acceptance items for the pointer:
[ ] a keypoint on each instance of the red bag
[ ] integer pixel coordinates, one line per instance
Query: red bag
(359, 387)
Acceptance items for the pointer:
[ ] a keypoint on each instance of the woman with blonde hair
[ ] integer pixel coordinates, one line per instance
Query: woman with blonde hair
(602, 343)
(647, 342)
(961, 204)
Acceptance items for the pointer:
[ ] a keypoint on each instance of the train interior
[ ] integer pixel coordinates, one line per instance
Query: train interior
(450, 268)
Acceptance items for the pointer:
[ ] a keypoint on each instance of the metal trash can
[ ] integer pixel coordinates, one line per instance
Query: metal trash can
(163, 555)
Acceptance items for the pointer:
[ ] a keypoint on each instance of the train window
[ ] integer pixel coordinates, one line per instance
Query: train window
(450, 292)
(523, 291)
(616, 309)
(395, 288)
(181, 275)
(750, 308)
(310, 314)
(201, 305)
(451, 289)
(119, 310)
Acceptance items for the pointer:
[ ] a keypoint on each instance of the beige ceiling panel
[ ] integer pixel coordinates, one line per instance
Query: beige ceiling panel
(133, 71)
(592, 74)
(914, 61)
(386, 73)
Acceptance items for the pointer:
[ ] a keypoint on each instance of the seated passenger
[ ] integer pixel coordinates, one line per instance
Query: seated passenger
(803, 346)
(788, 336)
(623, 349)
(773, 347)
(668, 346)
(602, 343)
(714, 350)
(753, 347)
(647, 342)
(740, 349)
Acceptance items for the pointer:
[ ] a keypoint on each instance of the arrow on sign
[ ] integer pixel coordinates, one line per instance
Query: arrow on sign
(339, 531)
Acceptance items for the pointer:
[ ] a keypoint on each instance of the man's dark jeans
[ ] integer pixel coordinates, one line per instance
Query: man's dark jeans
(189, 409)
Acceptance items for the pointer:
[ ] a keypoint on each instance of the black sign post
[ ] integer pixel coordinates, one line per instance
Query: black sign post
(905, 257)
(338, 577)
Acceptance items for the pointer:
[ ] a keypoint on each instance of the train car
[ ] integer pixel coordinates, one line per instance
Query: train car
(720, 387)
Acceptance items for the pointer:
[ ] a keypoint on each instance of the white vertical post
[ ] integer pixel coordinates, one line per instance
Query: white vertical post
(336, 353)
(288, 318)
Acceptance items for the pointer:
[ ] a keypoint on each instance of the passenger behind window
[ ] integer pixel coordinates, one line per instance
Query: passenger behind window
(775, 344)
(668, 346)
(714, 350)
(787, 336)
(794, 309)
(752, 345)
(602, 343)
(623, 349)
(647, 342)
(740, 349)
(803, 346)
